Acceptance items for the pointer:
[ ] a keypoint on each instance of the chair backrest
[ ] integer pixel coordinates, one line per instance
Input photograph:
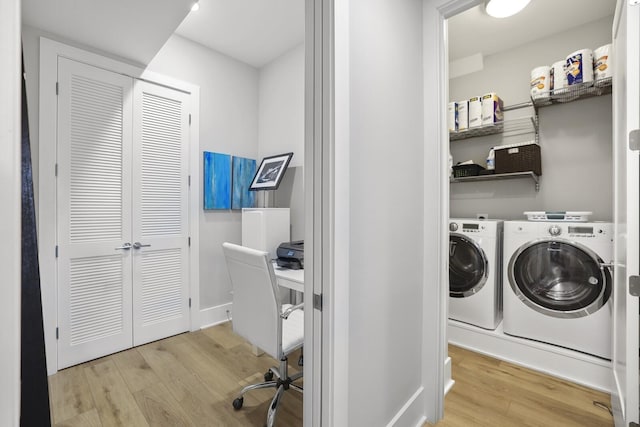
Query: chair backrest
(256, 308)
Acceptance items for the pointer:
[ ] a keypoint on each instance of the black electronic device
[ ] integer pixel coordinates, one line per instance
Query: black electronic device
(291, 255)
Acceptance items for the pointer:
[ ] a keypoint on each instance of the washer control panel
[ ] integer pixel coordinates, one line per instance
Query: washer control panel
(453, 226)
(576, 230)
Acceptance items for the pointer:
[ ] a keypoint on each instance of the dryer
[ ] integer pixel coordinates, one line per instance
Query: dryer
(557, 284)
(475, 265)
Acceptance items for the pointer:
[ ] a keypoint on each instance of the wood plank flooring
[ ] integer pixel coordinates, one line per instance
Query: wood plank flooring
(490, 392)
(186, 380)
(191, 380)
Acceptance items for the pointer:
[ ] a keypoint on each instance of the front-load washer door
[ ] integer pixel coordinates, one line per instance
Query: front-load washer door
(559, 278)
(468, 266)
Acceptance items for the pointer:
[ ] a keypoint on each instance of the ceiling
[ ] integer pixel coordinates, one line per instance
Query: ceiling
(541, 18)
(252, 31)
(134, 30)
(258, 31)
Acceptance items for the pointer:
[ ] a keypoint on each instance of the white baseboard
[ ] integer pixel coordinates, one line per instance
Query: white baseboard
(215, 315)
(448, 381)
(412, 412)
(569, 365)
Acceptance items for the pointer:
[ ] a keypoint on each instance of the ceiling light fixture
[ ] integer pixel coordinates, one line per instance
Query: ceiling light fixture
(195, 7)
(505, 8)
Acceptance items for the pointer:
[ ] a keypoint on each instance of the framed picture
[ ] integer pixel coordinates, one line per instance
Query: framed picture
(217, 181)
(243, 171)
(270, 172)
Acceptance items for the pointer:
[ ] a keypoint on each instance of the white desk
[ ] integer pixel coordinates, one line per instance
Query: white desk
(292, 279)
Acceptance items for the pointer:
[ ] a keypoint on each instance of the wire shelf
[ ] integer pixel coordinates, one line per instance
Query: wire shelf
(500, 176)
(574, 93)
(509, 127)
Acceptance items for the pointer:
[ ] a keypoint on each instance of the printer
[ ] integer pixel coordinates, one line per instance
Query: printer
(291, 255)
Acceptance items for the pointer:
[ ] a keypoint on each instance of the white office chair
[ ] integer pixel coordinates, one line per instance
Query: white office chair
(259, 317)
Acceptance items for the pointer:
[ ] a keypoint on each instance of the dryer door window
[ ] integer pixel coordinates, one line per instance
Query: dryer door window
(560, 279)
(468, 266)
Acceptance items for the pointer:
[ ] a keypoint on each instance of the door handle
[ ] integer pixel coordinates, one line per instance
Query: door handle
(138, 245)
(125, 246)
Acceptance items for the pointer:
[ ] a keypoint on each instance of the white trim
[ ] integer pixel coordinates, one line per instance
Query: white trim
(337, 362)
(436, 200)
(568, 365)
(49, 52)
(411, 411)
(213, 316)
(194, 206)
(10, 215)
(448, 381)
(319, 250)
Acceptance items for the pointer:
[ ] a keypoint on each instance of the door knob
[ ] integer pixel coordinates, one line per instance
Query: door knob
(125, 246)
(138, 245)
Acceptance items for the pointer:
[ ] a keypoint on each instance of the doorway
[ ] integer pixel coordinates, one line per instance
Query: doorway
(503, 66)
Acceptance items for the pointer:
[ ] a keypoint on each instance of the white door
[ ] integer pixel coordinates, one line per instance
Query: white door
(94, 212)
(122, 224)
(160, 222)
(626, 113)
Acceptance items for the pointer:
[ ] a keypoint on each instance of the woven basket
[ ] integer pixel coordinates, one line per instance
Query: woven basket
(524, 158)
(460, 171)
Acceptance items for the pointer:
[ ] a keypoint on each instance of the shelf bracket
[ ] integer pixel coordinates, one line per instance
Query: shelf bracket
(534, 121)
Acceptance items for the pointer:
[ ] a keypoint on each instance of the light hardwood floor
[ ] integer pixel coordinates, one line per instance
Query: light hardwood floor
(186, 380)
(191, 380)
(490, 392)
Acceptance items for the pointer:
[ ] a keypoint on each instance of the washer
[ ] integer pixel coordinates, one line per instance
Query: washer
(475, 265)
(557, 284)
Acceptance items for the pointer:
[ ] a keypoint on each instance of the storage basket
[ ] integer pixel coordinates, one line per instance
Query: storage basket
(460, 171)
(521, 158)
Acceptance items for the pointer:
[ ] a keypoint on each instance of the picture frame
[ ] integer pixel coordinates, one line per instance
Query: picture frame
(242, 170)
(217, 181)
(270, 172)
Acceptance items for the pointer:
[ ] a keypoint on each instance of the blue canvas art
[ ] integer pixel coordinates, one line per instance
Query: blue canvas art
(243, 172)
(217, 181)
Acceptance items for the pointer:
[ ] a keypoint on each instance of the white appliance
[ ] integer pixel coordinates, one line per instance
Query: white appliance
(557, 284)
(265, 228)
(475, 266)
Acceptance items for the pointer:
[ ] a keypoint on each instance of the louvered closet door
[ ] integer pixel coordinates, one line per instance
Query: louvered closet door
(94, 212)
(160, 209)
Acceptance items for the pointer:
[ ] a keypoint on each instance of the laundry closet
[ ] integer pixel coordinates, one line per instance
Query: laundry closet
(540, 152)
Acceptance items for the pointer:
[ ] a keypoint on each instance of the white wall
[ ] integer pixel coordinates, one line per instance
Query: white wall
(10, 214)
(281, 128)
(281, 101)
(385, 182)
(575, 138)
(228, 124)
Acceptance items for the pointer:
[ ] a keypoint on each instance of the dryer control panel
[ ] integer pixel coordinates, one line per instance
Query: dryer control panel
(472, 228)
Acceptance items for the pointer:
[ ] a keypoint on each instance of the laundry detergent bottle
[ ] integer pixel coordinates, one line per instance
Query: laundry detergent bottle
(491, 164)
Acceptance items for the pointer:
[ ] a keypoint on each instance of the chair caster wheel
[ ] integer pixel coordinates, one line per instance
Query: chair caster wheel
(268, 376)
(237, 403)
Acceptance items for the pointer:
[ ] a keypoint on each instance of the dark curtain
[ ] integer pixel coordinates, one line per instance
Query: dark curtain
(34, 399)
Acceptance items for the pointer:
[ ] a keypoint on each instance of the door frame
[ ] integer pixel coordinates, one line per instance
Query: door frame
(435, 295)
(11, 214)
(49, 52)
(624, 393)
(318, 209)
